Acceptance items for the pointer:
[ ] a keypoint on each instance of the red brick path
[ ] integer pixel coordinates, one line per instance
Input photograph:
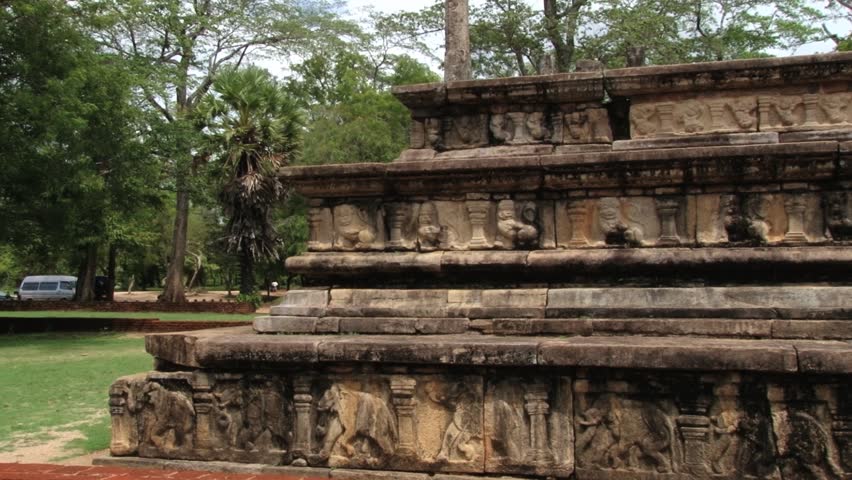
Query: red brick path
(21, 471)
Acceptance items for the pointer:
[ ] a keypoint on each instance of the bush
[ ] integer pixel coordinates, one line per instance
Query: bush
(253, 299)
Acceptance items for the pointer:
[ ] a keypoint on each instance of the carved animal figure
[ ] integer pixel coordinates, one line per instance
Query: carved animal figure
(510, 230)
(173, 413)
(742, 111)
(456, 443)
(535, 126)
(264, 419)
(640, 119)
(745, 221)
(230, 414)
(595, 439)
(612, 224)
(508, 439)
(643, 433)
(834, 108)
(811, 450)
(578, 126)
(360, 423)
(786, 109)
(352, 227)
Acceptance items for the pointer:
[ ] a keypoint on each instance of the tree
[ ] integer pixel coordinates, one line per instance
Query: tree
(508, 37)
(76, 172)
(179, 47)
(256, 125)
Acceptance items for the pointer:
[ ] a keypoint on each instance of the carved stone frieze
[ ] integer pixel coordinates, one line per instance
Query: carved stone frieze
(790, 110)
(694, 116)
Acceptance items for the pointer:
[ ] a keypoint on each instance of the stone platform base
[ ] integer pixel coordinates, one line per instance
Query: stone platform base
(277, 473)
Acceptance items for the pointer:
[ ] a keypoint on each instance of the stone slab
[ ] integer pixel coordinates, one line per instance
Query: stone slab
(824, 357)
(435, 350)
(713, 140)
(670, 353)
(306, 473)
(816, 136)
(285, 324)
(812, 329)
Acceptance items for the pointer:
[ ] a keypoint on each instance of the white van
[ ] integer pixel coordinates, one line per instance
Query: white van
(48, 287)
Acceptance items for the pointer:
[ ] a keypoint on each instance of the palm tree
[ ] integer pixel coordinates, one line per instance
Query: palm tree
(254, 124)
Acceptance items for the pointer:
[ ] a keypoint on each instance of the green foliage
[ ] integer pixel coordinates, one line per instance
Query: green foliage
(252, 298)
(509, 38)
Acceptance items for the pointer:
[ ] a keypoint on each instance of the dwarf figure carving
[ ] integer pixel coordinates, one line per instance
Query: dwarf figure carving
(834, 107)
(352, 228)
(786, 109)
(428, 228)
(511, 231)
(536, 127)
(837, 213)
(742, 111)
(641, 120)
(745, 221)
(501, 128)
(692, 121)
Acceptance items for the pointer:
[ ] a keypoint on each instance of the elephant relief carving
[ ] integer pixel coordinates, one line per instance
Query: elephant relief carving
(619, 227)
(785, 107)
(171, 425)
(808, 450)
(352, 228)
(358, 424)
(742, 111)
(512, 232)
(536, 127)
(629, 435)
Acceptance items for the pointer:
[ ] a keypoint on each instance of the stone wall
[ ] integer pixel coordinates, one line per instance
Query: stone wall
(590, 423)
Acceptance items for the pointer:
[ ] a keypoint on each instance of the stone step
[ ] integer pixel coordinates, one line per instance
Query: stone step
(241, 347)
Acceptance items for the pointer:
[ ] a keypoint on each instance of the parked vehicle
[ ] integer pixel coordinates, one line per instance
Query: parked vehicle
(48, 287)
(4, 296)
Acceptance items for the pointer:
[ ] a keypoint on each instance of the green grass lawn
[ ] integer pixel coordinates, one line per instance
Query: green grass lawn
(54, 383)
(164, 316)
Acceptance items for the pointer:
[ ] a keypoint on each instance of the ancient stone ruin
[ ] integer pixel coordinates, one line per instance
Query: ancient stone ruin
(610, 274)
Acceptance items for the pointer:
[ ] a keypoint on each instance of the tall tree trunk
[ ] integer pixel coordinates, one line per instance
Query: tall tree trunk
(111, 261)
(561, 28)
(86, 278)
(246, 273)
(174, 290)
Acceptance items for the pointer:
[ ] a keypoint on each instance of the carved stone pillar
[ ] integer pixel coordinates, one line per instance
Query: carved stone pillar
(795, 208)
(764, 104)
(577, 214)
(302, 400)
(717, 110)
(694, 427)
(202, 400)
(557, 120)
(667, 210)
(402, 389)
(417, 133)
(519, 121)
(125, 434)
(666, 113)
(811, 101)
(477, 211)
(398, 213)
(457, 64)
(537, 408)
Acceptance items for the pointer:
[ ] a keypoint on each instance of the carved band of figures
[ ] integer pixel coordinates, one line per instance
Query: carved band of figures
(524, 223)
(699, 426)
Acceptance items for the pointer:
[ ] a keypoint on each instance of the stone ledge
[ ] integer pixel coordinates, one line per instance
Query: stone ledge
(587, 261)
(214, 349)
